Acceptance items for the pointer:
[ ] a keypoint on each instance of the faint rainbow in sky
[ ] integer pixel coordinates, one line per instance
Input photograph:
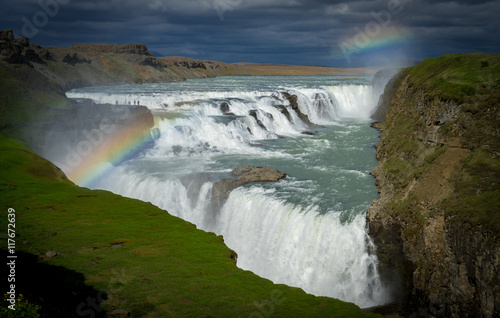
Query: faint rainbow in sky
(367, 41)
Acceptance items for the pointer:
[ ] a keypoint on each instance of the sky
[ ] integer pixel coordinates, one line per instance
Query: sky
(306, 32)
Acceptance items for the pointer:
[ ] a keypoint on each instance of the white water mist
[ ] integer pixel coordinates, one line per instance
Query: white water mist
(287, 232)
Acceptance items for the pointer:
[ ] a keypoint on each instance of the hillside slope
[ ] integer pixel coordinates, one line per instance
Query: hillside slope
(437, 221)
(76, 245)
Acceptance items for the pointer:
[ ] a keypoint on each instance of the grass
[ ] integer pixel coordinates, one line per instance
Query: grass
(462, 96)
(455, 76)
(477, 196)
(165, 267)
(21, 106)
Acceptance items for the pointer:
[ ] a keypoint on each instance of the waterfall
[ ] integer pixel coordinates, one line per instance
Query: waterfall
(300, 247)
(286, 231)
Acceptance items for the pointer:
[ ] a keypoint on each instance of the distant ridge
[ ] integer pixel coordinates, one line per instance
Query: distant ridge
(130, 48)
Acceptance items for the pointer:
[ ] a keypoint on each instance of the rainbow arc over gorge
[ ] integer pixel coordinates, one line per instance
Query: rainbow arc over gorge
(120, 145)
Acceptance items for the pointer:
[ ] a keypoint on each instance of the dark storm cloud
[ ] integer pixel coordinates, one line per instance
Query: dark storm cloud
(272, 31)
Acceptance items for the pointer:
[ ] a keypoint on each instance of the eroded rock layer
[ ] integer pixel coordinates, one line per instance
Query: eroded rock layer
(436, 223)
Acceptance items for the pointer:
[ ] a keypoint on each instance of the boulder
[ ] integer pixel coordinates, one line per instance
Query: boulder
(258, 174)
(224, 107)
(51, 254)
(310, 133)
(244, 174)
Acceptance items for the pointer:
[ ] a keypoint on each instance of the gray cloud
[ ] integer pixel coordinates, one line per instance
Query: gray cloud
(273, 31)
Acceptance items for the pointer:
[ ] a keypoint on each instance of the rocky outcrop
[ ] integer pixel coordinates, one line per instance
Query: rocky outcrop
(191, 64)
(131, 48)
(253, 113)
(284, 111)
(73, 59)
(436, 222)
(248, 174)
(292, 99)
(18, 51)
(226, 110)
(224, 107)
(244, 174)
(98, 64)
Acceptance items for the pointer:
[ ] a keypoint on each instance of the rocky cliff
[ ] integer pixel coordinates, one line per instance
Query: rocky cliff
(131, 48)
(34, 79)
(437, 221)
(100, 64)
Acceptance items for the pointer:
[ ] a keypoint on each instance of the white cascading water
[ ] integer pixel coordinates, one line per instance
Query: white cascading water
(301, 247)
(304, 246)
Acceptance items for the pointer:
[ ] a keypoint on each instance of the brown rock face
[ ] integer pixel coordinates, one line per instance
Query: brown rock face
(442, 261)
(18, 51)
(131, 48)
(245, 174)
(258, 174)
(292, 99)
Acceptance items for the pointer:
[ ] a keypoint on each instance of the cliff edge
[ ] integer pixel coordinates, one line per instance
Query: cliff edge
(437, 221)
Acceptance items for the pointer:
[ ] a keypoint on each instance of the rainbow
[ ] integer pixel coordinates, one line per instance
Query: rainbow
(375, 40)
(87, 167)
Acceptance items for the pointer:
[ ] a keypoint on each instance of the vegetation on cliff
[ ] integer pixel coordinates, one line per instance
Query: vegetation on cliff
(468, 85)
(439, 174)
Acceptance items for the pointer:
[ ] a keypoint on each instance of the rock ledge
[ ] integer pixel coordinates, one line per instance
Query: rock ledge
(245, 174)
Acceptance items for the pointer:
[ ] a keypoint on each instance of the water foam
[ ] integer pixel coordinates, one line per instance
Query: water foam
(302, 248)
(274, 237)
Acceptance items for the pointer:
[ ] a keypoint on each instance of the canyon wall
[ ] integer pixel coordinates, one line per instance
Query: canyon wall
(437, 220)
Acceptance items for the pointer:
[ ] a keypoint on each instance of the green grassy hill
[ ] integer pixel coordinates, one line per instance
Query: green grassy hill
(146, 261)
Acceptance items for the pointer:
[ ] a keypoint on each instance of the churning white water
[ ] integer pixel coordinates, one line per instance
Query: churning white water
(307, 230)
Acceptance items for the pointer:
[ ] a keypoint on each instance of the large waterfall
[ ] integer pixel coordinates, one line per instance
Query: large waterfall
(307, 230)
